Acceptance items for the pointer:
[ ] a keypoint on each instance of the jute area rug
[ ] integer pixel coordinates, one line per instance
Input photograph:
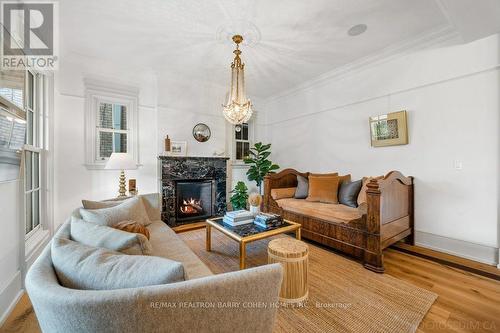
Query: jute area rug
(343, 296)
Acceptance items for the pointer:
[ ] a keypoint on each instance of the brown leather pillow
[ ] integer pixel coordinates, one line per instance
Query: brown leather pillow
(282, 193)
(323, 189)
(324, 174)
(345, 178)
(362, 192)
(132, 226)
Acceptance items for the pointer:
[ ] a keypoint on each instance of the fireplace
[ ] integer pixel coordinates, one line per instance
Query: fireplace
(194, 199)
(192, 188)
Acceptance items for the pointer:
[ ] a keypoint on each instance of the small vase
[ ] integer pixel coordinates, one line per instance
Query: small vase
(255, 210)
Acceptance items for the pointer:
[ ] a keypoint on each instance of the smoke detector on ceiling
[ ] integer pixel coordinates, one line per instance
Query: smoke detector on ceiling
(357, 30)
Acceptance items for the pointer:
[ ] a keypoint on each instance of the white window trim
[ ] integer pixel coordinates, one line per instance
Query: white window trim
(39, 236)
(231, 142)
(97, 91)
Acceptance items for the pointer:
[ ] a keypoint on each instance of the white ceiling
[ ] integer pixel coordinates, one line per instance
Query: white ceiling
(299, 39)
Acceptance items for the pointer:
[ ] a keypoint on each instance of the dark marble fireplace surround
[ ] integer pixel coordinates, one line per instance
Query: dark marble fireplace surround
(176, 169)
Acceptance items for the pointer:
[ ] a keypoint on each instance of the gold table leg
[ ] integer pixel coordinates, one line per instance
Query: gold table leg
(298, 234)
(209, 238)
(242, 255)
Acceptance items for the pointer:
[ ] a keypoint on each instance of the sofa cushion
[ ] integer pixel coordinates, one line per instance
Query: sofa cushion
(167, 244)
(323, 189)
(348, 193)
(131, 209)
(362, 192)
(281, 193)
(79, 266)
(302, 189)
(91, 234)
(331, 174)
(329, 212)
(89, 204)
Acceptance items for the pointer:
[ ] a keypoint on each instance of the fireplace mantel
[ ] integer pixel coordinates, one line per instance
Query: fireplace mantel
(182, 168)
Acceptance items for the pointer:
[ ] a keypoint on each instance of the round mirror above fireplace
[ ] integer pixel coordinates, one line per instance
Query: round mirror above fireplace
(201, 132)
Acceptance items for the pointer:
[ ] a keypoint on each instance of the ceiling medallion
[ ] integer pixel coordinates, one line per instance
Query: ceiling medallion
(238, 108)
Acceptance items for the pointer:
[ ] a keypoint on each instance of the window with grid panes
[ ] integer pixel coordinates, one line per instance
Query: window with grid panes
(242, 141)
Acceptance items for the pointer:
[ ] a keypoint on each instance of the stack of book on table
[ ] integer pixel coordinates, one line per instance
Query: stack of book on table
(238, 217)
(265, 220)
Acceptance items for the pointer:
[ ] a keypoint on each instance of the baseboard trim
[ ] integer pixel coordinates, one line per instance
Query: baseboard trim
(480, 253)
(9, 297)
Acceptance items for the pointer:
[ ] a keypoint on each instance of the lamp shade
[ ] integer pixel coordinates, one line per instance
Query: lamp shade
(121, 161)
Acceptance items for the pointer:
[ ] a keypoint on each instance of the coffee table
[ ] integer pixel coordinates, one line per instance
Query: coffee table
(248, 233)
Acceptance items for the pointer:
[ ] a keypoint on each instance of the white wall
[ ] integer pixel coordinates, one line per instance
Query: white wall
(10, 246)
(73, 181)
(452, 95)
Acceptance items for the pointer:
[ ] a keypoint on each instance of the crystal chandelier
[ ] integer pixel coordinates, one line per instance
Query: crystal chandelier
(238, 109)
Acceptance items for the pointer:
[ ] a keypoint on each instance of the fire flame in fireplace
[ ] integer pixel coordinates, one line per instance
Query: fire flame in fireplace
(191, 206)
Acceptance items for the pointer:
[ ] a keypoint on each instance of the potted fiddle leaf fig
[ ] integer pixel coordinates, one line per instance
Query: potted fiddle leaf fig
(240, 196)
(260, 165)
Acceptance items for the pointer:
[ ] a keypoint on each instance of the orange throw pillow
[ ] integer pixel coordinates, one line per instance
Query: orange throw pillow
(132, 226)
(282, 193)
(362, 192)
(323, 189)
(324, 174)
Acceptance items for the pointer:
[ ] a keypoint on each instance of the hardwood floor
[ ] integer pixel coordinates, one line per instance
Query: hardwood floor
(467, 302)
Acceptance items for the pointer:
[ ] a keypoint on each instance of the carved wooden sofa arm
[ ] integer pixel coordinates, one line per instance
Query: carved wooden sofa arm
(390, 216)
(283, 179)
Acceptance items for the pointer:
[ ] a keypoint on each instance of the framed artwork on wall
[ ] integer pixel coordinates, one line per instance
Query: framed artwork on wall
(389, 129)
(178, 148)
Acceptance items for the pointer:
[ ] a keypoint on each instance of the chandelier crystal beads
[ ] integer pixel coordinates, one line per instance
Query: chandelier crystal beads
(238, 108)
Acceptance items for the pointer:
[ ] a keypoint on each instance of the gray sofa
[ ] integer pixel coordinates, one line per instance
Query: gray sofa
(241, 301)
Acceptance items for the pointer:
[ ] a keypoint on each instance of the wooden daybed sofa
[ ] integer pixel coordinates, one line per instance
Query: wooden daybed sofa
(362, 232)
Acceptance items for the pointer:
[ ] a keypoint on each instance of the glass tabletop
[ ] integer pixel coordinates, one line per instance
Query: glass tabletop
(250, 229)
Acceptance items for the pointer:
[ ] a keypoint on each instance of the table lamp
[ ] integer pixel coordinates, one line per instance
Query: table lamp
(121, 161)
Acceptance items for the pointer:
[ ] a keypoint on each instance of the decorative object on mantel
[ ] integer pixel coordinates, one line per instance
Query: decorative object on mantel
(238, 109)
(254, 200)
(260, 165)
(178, 148)
(389, 129)
(121, 161)
(132, 187)
(201, 132)
(219, 153)
(240, 196)
(167, 144)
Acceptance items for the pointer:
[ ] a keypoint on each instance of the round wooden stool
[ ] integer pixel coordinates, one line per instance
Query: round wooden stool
(292, 254)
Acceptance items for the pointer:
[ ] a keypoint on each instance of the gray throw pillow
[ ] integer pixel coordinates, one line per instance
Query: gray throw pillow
(348, 193)
(302, 190)
(79, 266)
(91, 234)
(130, 210)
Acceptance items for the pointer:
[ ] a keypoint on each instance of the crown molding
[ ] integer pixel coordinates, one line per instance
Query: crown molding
(436, 37)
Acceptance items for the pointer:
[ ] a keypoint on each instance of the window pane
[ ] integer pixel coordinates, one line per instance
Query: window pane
(237, 132)
(36, 173)
(119, 117)
(120, 143)
(106, 115)
(36, 209)
(244, 132)
(18, 136)
(105, 144)
(246, 149)
(29, 217)
(29, 134)
(30, 92)
(28, 170)
(5, 128)
(239, 150)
